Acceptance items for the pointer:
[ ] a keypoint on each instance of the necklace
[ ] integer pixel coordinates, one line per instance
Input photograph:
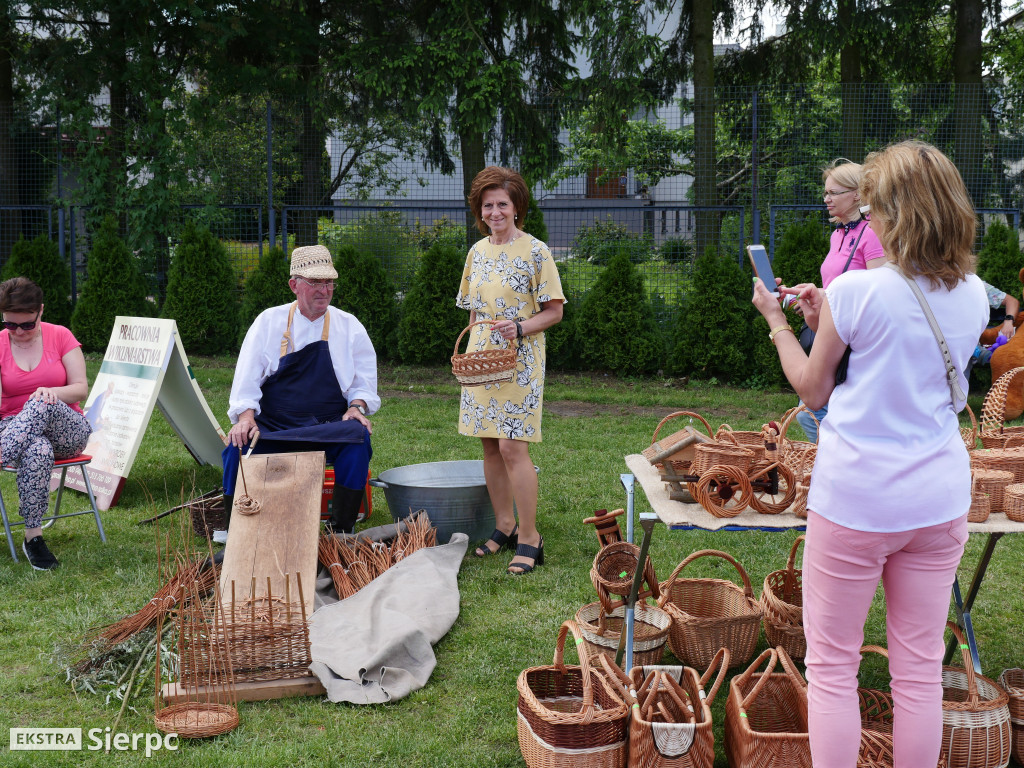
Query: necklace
(31, 344)
(515, 236)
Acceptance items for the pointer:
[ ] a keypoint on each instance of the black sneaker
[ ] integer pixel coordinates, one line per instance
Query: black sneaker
(39, 555)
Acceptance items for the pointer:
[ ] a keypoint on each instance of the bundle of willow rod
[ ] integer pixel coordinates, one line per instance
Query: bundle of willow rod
(354, 563)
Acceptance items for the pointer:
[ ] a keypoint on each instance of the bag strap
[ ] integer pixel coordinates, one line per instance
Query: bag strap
(855, 244)
(952, 374)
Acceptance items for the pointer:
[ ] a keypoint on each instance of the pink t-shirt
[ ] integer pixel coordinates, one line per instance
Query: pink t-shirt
(839, 251)
(16, 385)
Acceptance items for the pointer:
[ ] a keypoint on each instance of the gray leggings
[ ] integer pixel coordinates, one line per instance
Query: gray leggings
(30, 440)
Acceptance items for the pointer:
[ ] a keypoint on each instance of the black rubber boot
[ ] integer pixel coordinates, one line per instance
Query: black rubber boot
(345, 509)
(229, 506)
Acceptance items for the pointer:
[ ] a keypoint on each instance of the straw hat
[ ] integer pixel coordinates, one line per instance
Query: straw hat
(313, 262)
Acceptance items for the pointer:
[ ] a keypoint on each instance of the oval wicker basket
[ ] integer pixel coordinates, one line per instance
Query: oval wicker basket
(601, 631)
(708, 614)
(196, 719)
(487, 366)
(782, 601)
(1008, 459)
(707, 455)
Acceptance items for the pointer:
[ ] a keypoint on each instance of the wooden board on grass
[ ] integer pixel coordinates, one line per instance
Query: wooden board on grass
(257, 690)
(281, 540)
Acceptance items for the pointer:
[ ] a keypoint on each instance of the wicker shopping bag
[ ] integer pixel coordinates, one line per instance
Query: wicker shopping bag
(708, 614)
(766, 715)
(486, 366)
(570, 716)
(782, 601)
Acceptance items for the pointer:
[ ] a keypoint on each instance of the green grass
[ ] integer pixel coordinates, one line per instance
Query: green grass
(466, 714)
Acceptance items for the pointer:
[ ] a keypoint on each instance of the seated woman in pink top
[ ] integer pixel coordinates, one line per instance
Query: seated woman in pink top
(42, 380)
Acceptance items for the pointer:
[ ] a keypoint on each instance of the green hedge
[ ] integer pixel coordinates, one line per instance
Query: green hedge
(365, 289)
(430, 320)
(39, 260)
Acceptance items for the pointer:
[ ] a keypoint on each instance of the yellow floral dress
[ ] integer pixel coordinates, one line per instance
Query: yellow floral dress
(510, 282)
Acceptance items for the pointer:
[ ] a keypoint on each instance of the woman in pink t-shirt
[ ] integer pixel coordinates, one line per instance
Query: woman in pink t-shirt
(42, 380)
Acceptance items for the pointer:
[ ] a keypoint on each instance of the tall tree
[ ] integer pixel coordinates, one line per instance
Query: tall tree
(10, 221)
(969, 96)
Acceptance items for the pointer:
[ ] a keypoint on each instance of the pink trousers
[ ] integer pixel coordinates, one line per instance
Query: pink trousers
(841, 571)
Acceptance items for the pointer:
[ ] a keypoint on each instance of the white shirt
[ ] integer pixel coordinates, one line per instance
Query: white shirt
(890, 456)
(352, 355)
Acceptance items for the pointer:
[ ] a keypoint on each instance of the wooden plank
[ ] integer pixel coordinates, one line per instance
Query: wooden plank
(260, 690)
(280, 542)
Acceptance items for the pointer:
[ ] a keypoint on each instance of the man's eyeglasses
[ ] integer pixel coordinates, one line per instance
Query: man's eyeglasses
(835, 193)
(30, 325)
(317, 284)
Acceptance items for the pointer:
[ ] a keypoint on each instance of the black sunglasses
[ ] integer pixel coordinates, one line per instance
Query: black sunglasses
(24, 326)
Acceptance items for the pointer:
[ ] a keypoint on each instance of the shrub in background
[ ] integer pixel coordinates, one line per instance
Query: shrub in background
(999, 260)
(560, 340)
(533, 222)
(676, 250)
(599, 242)
(266, 286)
(443, 230)
(365, 290)
(202, 294)
(113, 286)
(39, 260)
(383, 234)
(713, 334)
(615, 325)
(430, 320)
(799, 254)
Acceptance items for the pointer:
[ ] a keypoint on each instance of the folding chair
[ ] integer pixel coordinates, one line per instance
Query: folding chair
(63, 464)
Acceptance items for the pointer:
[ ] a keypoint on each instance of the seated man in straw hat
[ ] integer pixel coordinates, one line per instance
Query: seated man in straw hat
(306, 379)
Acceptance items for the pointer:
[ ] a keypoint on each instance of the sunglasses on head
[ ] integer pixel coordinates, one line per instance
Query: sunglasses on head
(24, 326)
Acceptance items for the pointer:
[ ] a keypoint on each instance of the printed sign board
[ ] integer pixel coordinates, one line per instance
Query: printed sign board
(144, 365)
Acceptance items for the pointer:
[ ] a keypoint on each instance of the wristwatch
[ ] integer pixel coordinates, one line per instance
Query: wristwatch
(359, 408)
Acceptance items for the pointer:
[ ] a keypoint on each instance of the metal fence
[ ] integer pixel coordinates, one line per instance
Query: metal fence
(243, 170)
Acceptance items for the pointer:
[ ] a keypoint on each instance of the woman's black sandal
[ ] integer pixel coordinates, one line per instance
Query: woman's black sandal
(506, 540)
(525, 550)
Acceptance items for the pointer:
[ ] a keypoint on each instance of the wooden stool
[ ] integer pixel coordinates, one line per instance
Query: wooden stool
(63, 464)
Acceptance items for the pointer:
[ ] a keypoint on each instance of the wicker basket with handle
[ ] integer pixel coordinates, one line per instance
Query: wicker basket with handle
(570, 716)
(766, 715)
(601, 631)
(1012, 681)
(1013, 502)
(749, 439)
(708, 614)
(782, 601)
(674, 453)
(1008, 459)
(994, 433)
(797, 455)
(486, 366)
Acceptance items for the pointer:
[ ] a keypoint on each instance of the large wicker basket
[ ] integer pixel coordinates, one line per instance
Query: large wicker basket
(994, 433)
(1012, 681)
(486, 366)
(782, 601)
(708, 614)
(570, 716)
(766, 716)
(975, 715)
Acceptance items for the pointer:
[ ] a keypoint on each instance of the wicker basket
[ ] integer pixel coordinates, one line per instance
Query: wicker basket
(601, 632)
(975, 715)
(980, 509)
(970, 434)
(797, 455)
(487, 366)
(570, 716)
(708, 614)
(800, 499)
(207, 512)
(752, 441)
(614, 568)
(1012, 681)
(1013, 502)
(197, 720)
(993, 414)
(1006, 459)
(708, 455)
(766, 716)
(782, 601)
(675, 453)
(876, 714)
(991, 482)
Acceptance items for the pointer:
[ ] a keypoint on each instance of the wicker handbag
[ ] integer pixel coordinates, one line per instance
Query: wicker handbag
(782, 601)
(671, 722)
(708, 614)
(1012, 681)
(487, 366)
(601, 631)
(766, 716)
(570, 716)
(975, 715)
(993, 414)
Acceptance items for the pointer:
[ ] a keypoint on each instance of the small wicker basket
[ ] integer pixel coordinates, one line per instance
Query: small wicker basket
(1013, 502)
(601, 632)
(752, 441)
(488, 366)
(991, 482)
(797, 455)
(980, 509)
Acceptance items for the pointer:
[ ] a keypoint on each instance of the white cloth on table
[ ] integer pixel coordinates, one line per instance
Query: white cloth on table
(352, 354)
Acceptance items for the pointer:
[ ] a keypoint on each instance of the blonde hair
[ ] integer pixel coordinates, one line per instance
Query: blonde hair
(923, 215)
(844, 172)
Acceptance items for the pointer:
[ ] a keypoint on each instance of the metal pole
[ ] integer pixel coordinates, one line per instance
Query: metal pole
(270, 176)
(753, 176)
(647, 521)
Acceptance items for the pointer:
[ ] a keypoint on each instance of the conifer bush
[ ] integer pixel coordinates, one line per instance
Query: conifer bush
(560, 340)
(202, 296)
(365, 290)
(533, 222)
(113, 286)
(800, 251)
(39, 260)
(266, 286)
(616, 330)
(999, 260)
(713, 334)
(430, 320)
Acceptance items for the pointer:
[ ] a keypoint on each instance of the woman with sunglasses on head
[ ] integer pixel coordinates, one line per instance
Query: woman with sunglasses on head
(853, 246)
(42, 380)
(891, 485)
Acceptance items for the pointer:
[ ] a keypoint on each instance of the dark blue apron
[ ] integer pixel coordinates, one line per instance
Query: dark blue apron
(301, 409)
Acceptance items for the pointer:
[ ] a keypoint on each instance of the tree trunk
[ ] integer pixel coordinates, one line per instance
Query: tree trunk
(852, 129)
(313, 137)
(10, 221)
(967, 146)
(705, 190)
(472, 146)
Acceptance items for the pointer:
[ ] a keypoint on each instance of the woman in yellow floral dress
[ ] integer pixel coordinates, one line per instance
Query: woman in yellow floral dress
(511, 280)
